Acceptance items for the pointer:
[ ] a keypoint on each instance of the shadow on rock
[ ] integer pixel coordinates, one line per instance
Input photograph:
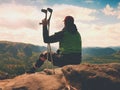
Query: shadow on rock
(93, 77)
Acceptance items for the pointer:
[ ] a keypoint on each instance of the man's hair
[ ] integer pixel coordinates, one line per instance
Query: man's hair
(69, 20)
(69, 24)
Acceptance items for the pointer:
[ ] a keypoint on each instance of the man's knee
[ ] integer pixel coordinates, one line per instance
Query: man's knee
(41, 60)
(48, 55)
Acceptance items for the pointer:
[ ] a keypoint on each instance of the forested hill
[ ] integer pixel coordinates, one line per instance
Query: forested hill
(15, 57)
(97, 51)
(18, 50)
(98, 55)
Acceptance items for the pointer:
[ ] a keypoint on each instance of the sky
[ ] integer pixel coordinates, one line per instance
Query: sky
(98, 21)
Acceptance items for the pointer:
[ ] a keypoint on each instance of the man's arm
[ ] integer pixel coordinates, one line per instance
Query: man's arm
(53, 38)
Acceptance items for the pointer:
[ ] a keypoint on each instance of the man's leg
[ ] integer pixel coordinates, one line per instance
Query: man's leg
(55, 59)
(38, 64)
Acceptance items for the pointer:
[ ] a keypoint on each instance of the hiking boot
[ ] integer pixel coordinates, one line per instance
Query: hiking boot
(32, 70)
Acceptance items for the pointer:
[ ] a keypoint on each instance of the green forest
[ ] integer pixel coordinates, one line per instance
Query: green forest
(16, 58)
(99, 55)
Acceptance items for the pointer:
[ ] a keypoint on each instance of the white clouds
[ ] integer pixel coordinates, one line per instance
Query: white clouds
(108, 10)
(24, 2)
(17, 16)
(20, 23)
(101, 35)
(79, 14)
(24, 35)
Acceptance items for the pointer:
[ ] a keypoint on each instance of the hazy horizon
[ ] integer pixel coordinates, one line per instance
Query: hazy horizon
(56, 47)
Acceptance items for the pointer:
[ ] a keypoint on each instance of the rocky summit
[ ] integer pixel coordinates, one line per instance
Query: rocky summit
(71, 77)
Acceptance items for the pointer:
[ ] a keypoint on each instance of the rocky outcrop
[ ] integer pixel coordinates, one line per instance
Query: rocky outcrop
(71, 77)
(93, 77)
(38, 81)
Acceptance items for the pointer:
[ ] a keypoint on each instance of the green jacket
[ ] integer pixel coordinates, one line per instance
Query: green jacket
(68, 42)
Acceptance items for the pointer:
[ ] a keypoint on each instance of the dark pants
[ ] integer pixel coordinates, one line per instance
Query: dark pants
(67, 59)
(62, 60)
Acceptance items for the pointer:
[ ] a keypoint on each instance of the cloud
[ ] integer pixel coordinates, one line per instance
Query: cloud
(24, 35)
(24, 2)
(108, 10)
(14, 16)
(101, 35)
(5, 1)
(20, 23)
(79, 13)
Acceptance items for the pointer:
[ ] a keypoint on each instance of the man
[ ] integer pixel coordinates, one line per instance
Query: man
(70, 47)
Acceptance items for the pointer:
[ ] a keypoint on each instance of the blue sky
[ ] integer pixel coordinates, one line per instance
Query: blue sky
(85, 3)
(98, 21)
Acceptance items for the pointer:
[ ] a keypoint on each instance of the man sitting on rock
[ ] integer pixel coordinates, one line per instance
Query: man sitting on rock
(69, 39)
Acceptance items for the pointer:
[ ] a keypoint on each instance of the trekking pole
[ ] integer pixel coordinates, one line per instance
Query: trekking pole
(45, 11)
(49, 47)
(48, 25)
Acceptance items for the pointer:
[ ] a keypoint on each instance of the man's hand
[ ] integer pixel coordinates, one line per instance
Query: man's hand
(44, 22)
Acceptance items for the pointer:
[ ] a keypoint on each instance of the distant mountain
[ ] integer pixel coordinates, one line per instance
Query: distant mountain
(19, 49)
(98, 55)
(117, 48)
(97, 51)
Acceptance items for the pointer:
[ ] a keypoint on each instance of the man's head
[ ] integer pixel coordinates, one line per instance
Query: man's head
(69, 20)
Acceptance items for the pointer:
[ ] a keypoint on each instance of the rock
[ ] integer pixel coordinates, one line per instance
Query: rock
(71, 77)
(93, 77)
(35, 81)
